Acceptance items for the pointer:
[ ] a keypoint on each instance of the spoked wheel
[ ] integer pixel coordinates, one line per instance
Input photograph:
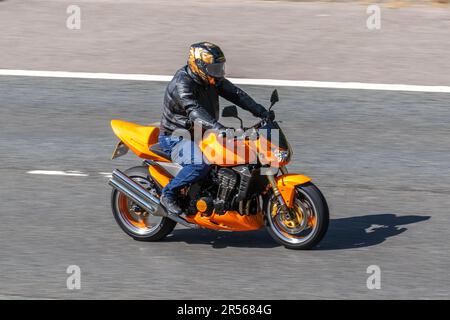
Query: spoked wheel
(305, 224)
(135, 221)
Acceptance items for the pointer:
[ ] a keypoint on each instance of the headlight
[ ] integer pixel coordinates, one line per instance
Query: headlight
(283, 156)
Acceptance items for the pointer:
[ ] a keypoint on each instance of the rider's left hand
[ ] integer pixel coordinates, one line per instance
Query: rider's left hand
(269, 115)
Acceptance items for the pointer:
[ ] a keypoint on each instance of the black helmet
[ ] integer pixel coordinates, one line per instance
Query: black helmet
(207, 61)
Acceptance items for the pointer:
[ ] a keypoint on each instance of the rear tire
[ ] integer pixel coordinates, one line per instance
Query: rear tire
(309, 199)
(134, 225)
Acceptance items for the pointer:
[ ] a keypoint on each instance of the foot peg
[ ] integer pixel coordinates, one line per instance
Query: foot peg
(174, 212)
(182, 221)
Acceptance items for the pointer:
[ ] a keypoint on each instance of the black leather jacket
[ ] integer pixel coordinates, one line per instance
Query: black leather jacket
(187, 100)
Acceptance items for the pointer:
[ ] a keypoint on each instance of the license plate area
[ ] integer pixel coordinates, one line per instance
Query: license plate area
(120, 150)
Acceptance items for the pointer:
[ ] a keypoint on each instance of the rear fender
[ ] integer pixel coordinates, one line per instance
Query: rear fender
(286, 184)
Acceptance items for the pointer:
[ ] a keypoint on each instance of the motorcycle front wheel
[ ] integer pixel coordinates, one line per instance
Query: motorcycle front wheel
(306, 223)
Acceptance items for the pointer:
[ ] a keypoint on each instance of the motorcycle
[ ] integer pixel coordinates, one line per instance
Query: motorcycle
(243, 190)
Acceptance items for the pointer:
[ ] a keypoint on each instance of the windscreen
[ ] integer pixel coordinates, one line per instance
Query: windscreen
(273, 133)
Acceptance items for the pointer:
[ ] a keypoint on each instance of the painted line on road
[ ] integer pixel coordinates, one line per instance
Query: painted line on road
(106, 174)
(59, 173)
(84, 75)
(68, 173)
(258, 82)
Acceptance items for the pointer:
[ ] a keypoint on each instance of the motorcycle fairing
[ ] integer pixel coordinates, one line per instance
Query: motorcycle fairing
(229, 221)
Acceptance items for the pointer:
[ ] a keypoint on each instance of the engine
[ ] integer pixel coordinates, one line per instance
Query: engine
(235, 188)
(227, 181)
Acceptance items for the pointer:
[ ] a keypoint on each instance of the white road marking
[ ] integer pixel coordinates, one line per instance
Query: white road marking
(258, 82)
(345, 85)
(84, 75)
(106, 174)
(59, 173)
(70, 173)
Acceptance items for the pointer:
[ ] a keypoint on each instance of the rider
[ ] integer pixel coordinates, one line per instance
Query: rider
(192, 96)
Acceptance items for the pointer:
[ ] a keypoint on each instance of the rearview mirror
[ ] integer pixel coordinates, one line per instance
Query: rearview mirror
(230, 112)
(274, 98)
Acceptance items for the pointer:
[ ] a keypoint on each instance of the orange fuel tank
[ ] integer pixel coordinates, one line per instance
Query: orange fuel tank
(227, 152)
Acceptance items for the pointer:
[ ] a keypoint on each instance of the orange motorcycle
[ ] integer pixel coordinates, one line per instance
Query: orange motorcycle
(247, 188)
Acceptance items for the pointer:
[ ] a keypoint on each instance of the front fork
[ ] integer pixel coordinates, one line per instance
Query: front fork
(276, 192)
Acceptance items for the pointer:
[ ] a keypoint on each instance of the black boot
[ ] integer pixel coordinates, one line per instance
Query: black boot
(170, 205)
(174, 212)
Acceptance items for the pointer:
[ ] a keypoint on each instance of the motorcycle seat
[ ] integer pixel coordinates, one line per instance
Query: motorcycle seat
(156, 149)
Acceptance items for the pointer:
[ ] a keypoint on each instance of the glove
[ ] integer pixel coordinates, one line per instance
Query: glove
(269, 115)
(188, 124)
(219, 127)
(222, 130)
(227, 132)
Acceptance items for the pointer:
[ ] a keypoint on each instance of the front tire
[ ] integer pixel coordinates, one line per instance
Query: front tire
(307, 223)
(139, 225)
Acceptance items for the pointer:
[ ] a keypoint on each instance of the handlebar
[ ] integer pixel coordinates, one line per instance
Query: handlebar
(256, 126)
(239, 134)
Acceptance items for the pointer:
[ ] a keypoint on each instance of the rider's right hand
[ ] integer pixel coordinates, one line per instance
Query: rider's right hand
(223, 131)
(269, 115)
(226, 132)
(219, 127)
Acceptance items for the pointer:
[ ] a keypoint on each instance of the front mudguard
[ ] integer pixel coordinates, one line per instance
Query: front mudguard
(286, 184)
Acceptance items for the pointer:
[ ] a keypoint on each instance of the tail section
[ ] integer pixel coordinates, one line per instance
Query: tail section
(138, 138)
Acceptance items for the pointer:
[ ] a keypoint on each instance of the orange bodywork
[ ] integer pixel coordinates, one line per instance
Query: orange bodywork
(219, 151)
(160, 176)
(230, 152)
(286, 185)
(227, 152)
(138, 138)
(231, 221)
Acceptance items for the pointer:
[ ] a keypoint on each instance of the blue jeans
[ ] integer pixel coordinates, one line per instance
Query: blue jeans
(189, 156)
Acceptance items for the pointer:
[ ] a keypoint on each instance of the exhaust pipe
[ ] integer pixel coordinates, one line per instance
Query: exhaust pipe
(137, 193)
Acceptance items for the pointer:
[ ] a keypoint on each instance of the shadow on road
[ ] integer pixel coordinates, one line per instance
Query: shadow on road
(343, 233)
(223, 239)
(365, 231)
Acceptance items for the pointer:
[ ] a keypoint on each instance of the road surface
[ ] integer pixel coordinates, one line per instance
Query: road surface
(381, 158)
(261, 39)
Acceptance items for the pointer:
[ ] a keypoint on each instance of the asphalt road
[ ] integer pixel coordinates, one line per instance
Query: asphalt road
(381, 158)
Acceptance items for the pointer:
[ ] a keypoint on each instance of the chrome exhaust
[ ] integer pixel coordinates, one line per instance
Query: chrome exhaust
(136, 193)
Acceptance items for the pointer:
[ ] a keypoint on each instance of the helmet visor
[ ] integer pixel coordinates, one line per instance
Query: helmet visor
(216, 70)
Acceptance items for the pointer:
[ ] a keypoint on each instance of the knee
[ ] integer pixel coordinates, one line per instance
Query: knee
(202, 169)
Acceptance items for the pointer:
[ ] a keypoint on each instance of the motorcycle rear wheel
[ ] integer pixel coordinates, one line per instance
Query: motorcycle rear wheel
(307, 224)
(139, 225)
